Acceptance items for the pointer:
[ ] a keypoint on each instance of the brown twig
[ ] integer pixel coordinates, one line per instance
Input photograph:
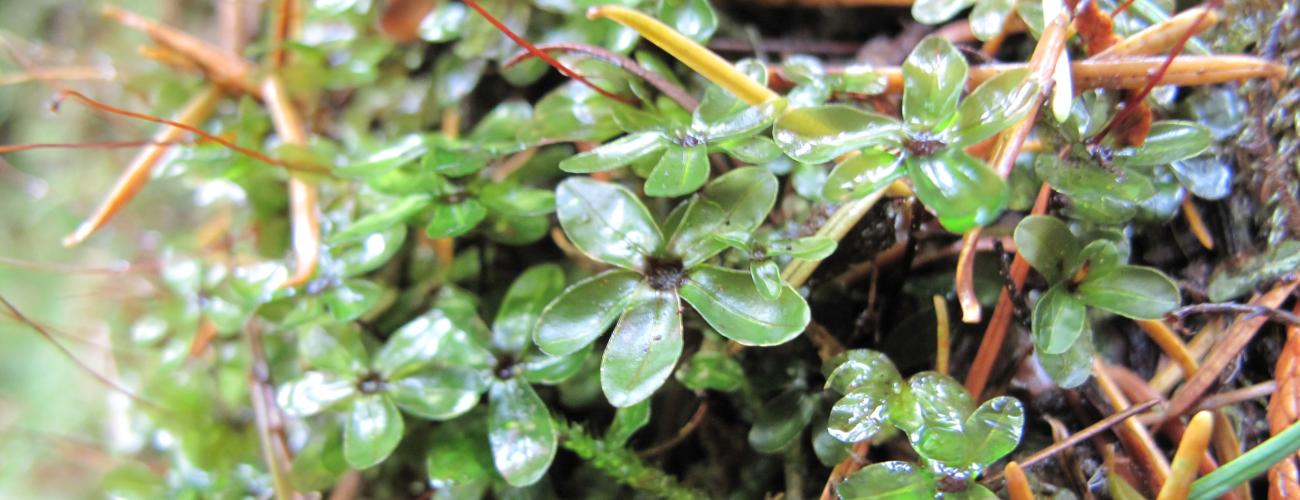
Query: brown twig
(1250, 310)
(856, 459)
(696, 419)
(304, 199)
(222, 67)
(625, 63)
(1078, 437)
(941, 334)
(1135, 437)
(269, 420)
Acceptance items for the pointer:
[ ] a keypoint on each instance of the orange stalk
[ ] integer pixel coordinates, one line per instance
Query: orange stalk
(1190, 449)
(1170, 343)
(941, 333)
(222, 67)
(1160, 38)
(1017, 484)
(195, 112)
(964, 280)
(304, 202)
(1196, 223)
(1135, 437)
(856, 459)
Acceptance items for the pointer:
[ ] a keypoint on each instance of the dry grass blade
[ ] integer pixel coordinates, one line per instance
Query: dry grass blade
(1161, 37)
(304, 199)
(1227, 349)
(1135, 437)
(222, 67)
(1283, 411)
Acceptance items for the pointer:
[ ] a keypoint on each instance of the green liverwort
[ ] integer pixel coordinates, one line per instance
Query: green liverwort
(956, 439)
(609, 224)
(1083, 275)
(927, 145)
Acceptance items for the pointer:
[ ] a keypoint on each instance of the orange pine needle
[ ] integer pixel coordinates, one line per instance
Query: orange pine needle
(1196, 223)
(942, 335)
(1190, 450)
(1017, 484)
(195, 112)
(964, 282)
(224, 68)
(1170, 343)
(1135, 437)
(304, 199)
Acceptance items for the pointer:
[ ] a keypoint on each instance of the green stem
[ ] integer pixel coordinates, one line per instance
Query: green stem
(623, 464)
(1248, 465)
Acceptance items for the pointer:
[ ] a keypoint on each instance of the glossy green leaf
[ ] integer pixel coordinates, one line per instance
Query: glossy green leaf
(748, 121)
(1047, 245)
(453, 159)
(361, 256)
(994, 429)
(861, 79)
(512, 199)
(821, 133)
(459, 462)
(754, 150)
(932, 410)
(520, 431)
(372, 431)
(1168, 141)
(938, 11)
(829, 451)
(421, 342)
(515, 230)
(584, 311)
(996, 104)
(680, 171)
(1100, 256)
(735, 202)
(438, 394)
(1206, 177)
(502, 123)
(452, 219)
(863, 370)
(728, 301)
(858, 416)
(694, 19)
(987, 18)
(711, 370)
(523, 303)
(627, 420)
(617, 153)
(808, 247)
(543, 368)
(767, 278)
(934, 75)
(960, 189)
(1070, 368)
(895, 480)
(642, 350)
(1235, 279)
(863, 174)
(781, 420)
(403, 151)
(313, 393)
(973, 491)
(341, 354)
(1132, 291)
(454, 78)
(607, 222)
(443, 23)
(1059, 319)
(379, 220)
(352, 298)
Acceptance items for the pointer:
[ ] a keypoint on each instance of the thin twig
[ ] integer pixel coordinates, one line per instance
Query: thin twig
(270, 422)
(1250, 310)
(623, 62)
(696, 419)
(941, 334)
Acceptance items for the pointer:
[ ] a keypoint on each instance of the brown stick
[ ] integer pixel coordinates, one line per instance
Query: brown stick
(1135, 437)
(222, 67)
(304, 203)
(269, 420)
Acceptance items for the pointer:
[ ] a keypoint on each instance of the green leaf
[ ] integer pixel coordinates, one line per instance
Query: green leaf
(520, 431)
(755, 150)
(938, 11)
(748, 121)
(1168, 141)
(508, 198)
(546, 369)
(607, 222)
(730, 304)
(341, 354)
(711, 370)
(996, 104)
(680, 171)
(379, 220)
(1070, 368)
(617, 153)
(452, 159)
(934, 76)
(438, 394)
(863, 174)
(642, 350)
(808, 247)
(858, 416)
(1059, 319)
(987, 18)
(1206, 177)
(994, 429)
(459, 462)
(373, 429)
(584, 311)
(960, 189)
(932, 410)
(1248, 465)
(888, 481)
(502, 123)
(973, 491)
(405, 150)
(419, 343)
(352, 298)
(1136, 292)
(443, 24)
(862, 79)
(735, 202)
(368, 253)
(1234, 279)
(1100, 257)
(821, 133)
(767, 278)
(859, 370)
(313, 393)
(1047, 245)
(523, 305)
(627, 420)
(452, 219)
(781, 420)
(694, 19)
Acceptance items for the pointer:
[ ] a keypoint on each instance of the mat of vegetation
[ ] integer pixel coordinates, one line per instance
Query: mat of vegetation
(787, 249)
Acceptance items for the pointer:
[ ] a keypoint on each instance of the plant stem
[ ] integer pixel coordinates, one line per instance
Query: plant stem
(270, 428)
(622, 464)
(941, 334)
(304, 199)
(1159, 38)
(627, 64)
(222, 67)
(1135, 437)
